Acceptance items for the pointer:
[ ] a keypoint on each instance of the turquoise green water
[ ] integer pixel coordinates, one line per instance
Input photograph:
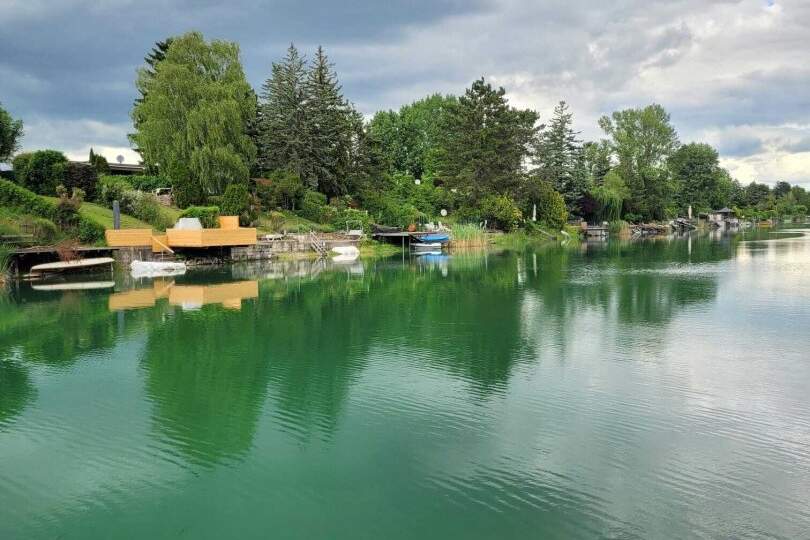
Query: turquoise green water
(629, 390)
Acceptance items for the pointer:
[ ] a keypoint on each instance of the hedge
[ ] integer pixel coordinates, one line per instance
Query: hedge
(12, 195)
(206, 214)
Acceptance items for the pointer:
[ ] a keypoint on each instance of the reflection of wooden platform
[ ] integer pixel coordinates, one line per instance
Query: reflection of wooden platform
(230, 295)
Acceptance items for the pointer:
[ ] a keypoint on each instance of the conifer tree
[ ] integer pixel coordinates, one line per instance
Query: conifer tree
(330, 119)
(485, 143)
(283, 139)
(559, 159)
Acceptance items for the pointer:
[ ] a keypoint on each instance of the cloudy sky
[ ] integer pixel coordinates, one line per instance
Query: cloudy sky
(731, 72)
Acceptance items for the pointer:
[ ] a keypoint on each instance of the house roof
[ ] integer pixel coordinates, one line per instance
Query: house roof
(725, 210)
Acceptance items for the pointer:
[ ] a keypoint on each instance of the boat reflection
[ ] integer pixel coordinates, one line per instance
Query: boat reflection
(189, 297)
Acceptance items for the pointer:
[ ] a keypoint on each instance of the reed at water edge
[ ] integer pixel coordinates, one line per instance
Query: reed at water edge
(5, 261)
(468, 236)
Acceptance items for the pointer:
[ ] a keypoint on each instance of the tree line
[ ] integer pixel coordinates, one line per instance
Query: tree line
(199, 123)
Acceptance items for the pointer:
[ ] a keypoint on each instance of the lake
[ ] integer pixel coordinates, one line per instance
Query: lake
(652, 389)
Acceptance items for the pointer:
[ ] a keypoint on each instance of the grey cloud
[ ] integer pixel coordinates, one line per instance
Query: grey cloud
(713, 64)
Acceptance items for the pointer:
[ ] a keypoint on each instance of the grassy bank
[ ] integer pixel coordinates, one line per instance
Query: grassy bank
(104, 216)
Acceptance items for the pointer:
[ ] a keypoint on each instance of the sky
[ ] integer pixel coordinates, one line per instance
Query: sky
(733, 73)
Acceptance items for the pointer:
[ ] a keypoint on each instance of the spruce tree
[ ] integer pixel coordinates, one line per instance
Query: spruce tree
(559, 159)
(330, 119)
(283, 138)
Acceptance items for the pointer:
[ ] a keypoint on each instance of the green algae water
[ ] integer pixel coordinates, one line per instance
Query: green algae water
(655, 389)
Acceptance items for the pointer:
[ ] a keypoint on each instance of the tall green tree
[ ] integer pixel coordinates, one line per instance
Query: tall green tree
(155, 56)
(697, 177)
(283, 138)
(11, 131)
(194, 116)
(559, 159)
(409, 138)
(331, 120)
(485, 143)
(596, 156)
(642, 141)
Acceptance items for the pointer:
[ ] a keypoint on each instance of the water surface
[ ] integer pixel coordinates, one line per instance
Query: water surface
(656, 389)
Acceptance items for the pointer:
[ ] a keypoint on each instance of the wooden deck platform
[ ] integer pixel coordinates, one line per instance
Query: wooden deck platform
(229, 234)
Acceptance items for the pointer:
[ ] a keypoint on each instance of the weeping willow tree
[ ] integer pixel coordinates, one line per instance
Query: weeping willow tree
(192, 121)
(611, 195)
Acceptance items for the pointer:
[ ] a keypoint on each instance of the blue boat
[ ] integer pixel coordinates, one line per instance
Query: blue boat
(440, 238)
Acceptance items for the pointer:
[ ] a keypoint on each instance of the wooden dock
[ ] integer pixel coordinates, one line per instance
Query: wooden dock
(597, 231)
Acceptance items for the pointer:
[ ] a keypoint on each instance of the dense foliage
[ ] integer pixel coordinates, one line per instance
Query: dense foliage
(237, 201)
(208, 215)
(642, 140)
(11, 131)
(82, 176)
(40, 171)
(192, 120)
(98, 162)
(409, 138)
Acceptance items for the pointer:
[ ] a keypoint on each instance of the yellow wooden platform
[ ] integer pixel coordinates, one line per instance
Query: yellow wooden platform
(211, 237)
(228, 234)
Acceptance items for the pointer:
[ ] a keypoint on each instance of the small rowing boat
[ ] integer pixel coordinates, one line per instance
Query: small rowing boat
(67, 266)
(433, 238)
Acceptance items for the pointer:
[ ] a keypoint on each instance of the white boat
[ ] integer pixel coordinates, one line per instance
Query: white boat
(78, 264)
(156, 268)
(426, 246)
(347, 251)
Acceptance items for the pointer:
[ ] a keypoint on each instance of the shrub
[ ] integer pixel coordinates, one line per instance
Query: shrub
(146, 207)
(237, 202)
(206, 214)
(282, 189)
(551, 209)
(19, 166)
(41, 171)
(148, 183)
(99, 163)
(351, 218)
(501, 210)
(186, 192)
(112, 188)
(312, 206)
(82, 176)
(90, 231)
(67, 207)
(43, 229)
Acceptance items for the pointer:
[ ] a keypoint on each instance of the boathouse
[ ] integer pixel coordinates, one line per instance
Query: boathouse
(725, 217)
